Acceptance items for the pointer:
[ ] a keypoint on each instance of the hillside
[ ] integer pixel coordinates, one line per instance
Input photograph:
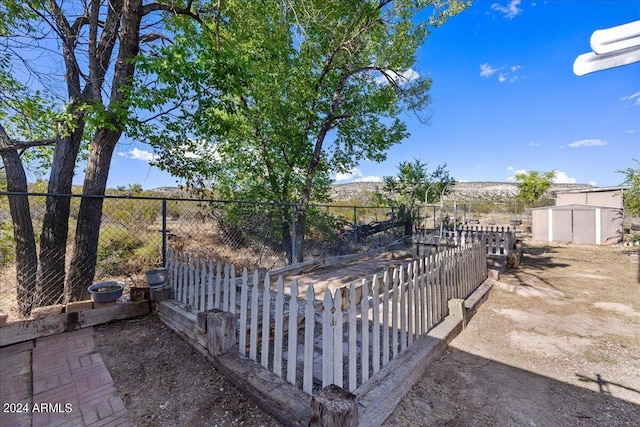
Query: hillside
(462, 190)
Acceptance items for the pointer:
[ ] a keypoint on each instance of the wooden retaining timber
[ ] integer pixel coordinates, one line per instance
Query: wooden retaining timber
(348, 336)
(25, 330)
(376, 399)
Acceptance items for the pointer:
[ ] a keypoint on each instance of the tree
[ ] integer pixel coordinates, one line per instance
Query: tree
(96, 43)
(533, 185)
(408, 189)
(282, 95)
(632, 194)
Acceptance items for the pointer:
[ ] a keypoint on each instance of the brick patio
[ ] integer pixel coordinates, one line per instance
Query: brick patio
(63, 380)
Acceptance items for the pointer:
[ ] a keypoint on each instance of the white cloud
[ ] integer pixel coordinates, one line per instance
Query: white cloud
(514, 172)
(406, 76)
(630, 97)
(595, 184)
(355, 175)
(533, 144)
(563, 178)
(559, 178)
(137, 154)
(370, 178)
(588, 143)
(509, 73)
(509, 11)
(486, 70)
(630, 131)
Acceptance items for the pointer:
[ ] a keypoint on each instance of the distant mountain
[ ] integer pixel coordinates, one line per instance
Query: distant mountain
(486, 190)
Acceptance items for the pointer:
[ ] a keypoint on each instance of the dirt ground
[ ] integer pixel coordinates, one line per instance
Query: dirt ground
(557, 343)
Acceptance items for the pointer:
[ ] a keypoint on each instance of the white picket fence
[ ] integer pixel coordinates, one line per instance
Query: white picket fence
(347, 335)
(497, 240)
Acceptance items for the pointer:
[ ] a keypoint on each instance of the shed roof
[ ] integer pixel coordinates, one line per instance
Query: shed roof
(595, 190)
(574, 207)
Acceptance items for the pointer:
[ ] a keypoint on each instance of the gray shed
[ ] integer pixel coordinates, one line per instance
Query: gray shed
(585, 224)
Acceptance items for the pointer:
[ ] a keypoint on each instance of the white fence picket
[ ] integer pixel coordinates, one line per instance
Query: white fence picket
(292, 337)
(218, 303)
(278, 328)
(364, 331)
(232, 291)
(253, 332)
(337, 339)
(327, 339)
(386, 318)
(266, 324)
(244, 297)
(352, 338)
(309, 329)
(375, 324)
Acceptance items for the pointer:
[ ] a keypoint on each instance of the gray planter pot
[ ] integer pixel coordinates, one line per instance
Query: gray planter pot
(106, 291)
(157, 277)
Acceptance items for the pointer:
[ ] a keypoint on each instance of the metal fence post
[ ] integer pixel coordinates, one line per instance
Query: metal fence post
(393, 219)
(355, 230)
(164, 232)
(293, 234)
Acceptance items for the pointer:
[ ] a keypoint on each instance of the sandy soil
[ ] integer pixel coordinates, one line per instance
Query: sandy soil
(557, 343)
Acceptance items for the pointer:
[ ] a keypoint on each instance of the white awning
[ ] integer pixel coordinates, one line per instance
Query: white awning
(612, 47)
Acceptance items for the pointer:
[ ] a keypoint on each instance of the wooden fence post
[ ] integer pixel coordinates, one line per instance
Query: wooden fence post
(333, 406)
(221, 332)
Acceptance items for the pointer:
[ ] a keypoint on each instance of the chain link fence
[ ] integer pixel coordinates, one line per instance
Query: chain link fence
(136, 232)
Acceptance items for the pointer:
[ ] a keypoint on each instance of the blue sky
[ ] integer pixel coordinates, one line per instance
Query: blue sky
(505, 99)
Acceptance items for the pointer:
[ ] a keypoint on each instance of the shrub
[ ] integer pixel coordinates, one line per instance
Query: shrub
(7, 252)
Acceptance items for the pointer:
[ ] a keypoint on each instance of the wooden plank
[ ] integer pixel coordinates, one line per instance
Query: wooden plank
(379, 396)
(410, 307)
(25, 330)
(290, 406)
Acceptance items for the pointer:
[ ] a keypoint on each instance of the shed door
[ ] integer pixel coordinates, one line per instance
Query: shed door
(562, 226)
(584, 226)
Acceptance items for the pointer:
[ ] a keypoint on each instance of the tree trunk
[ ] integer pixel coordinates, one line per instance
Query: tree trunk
(55, 225)
(301, 225)
(25, 243)
(85, 250)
